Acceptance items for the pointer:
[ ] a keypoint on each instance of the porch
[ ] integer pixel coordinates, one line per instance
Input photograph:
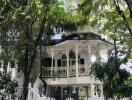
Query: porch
(70, 59)
(76, 92)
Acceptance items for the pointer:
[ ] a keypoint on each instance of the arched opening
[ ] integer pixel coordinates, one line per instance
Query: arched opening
(72, 67)
(72, 58)
(83, 62)
(61, 62)
(46, 65)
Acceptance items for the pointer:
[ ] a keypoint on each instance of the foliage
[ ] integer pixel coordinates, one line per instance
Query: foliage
(7, 86)
(28, 15)
(126, 91)
(111, 17)
(111, 75)
(28, 25)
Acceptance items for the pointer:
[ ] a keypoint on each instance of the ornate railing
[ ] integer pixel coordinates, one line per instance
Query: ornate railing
(72, 71)
(83, 71)
(46, 72)
(61, 72)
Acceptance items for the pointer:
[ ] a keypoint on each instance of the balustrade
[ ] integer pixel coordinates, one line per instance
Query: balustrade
(83, 71)
(72, 71)
(61, 72)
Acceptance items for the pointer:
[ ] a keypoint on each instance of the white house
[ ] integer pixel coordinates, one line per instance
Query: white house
(66, 68)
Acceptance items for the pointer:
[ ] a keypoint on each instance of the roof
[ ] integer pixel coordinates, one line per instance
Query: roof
(79, 36)
(73, 36)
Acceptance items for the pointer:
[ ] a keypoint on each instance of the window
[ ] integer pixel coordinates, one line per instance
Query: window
(82, 61)
(72, 55)
(63, 56)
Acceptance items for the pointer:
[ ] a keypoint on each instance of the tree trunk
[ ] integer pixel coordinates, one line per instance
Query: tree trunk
(26, 61)
(29, 59)
(25, 87)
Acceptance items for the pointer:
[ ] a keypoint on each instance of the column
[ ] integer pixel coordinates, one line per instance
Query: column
(89, 58)
(101, 88)
(67, 56)
(76, 52)
(98, 52)
(8, 67)
(92, 91)
(52, 63)
(2, 65)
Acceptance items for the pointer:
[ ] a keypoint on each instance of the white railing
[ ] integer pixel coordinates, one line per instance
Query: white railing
(72, 71)
(83, 71)
(61, 72)
(46, 71)
(55, 72)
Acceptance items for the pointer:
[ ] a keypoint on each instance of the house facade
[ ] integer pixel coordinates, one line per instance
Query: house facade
(66, 67)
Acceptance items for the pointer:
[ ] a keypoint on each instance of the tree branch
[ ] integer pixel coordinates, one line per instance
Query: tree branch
(121, 13)
(129, 4)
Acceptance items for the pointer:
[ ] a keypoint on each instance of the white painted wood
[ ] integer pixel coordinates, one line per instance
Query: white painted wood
(76, 53)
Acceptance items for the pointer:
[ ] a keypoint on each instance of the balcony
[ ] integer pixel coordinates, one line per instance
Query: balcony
(62, 72)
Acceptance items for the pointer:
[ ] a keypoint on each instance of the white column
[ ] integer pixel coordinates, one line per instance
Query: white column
(89, 52)
(67, 56)
(76, 52)
(8, 67)
(89, 57)
(52, 62)
(98, 52)
(2, 66)
(101, 88)
(92, 91)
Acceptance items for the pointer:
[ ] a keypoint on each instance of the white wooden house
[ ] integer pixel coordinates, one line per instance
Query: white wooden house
(66, 67)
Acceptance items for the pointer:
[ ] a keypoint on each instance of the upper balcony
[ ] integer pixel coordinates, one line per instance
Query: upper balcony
(63, 72)
(70, 59)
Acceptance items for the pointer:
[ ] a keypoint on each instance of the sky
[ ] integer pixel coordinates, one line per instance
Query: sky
(127, 66)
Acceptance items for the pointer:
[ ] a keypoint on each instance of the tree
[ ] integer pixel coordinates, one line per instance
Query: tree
(113, 19)
(126, 92)
(7, 86)
(112, 76)
(110, 73)
(109, 15)
(27, 24)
